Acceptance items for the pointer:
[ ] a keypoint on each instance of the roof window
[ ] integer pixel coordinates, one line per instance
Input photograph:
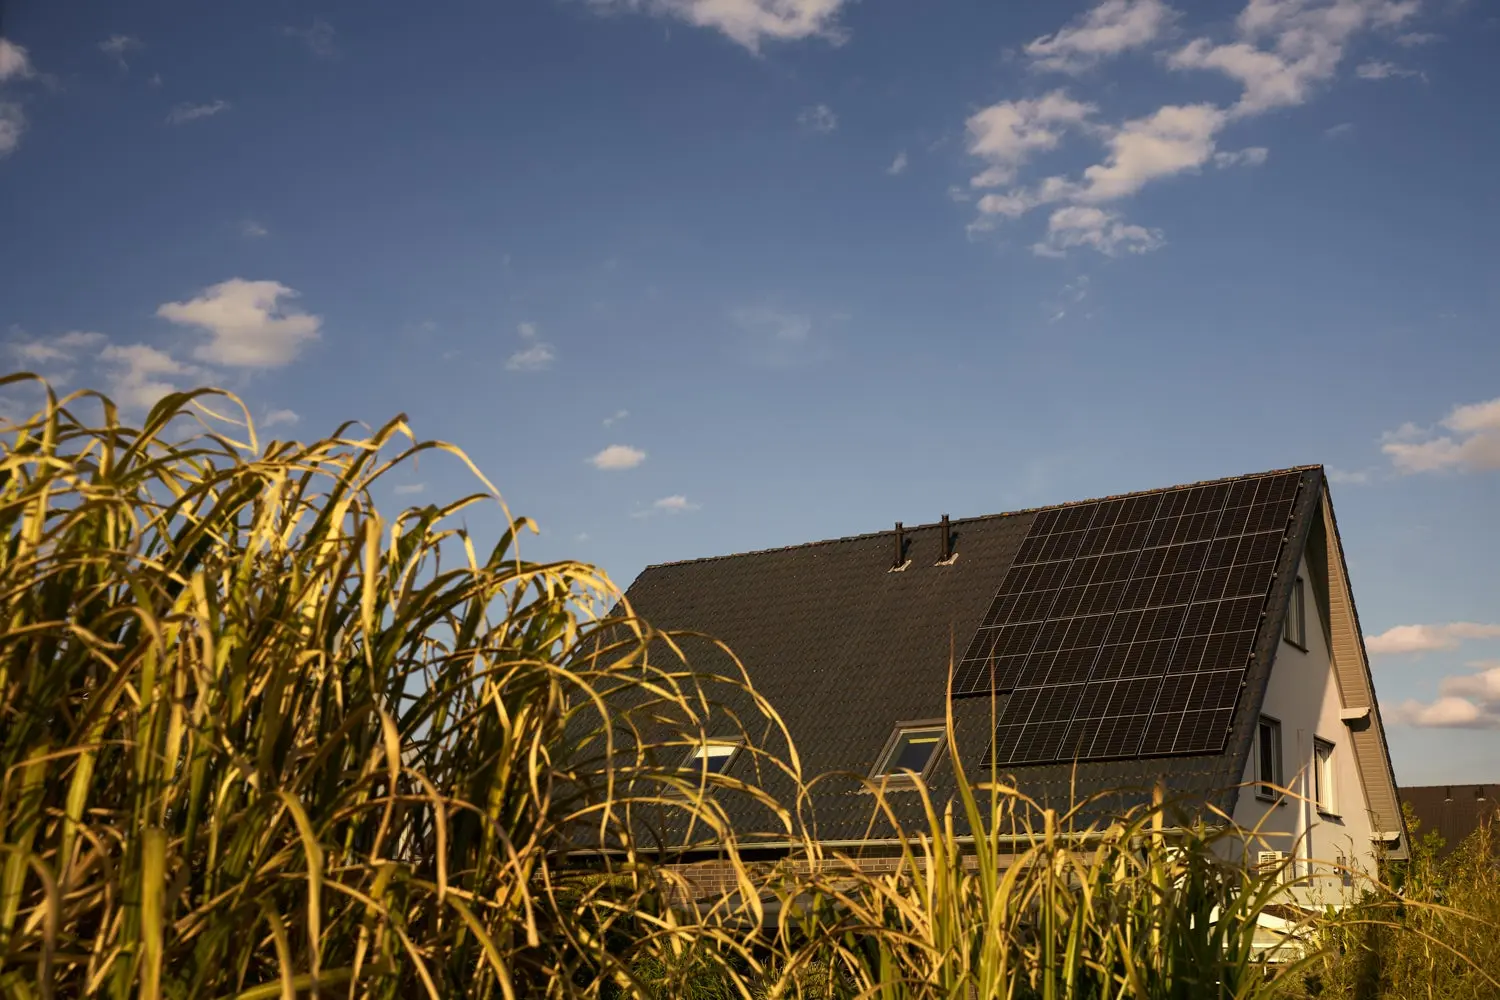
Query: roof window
(912, 749)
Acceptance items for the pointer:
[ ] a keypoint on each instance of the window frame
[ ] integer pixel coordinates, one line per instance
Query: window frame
(881, 770)
(1325, 777)
(1263, 783)
(699, 752)
(1296, 615)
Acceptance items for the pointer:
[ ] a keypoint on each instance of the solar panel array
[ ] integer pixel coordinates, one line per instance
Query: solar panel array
(1124, 627)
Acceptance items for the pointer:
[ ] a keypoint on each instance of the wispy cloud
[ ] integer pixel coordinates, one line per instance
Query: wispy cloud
(250, 324)
(1339, 131)
(777, 337)
(618, 456)
(1376, 69)
(12, 125)
(1469, 441)
(279, 418)
(116, 47)
(320, 38)
(818, 118)
(1109, 29)
(1408, 639)
(138, 375)
(675, 504)
(535, 356)
(184, 113)
(749, 23)
(251, 229)
(898, 165)
(410, 489)
(15, 64)
(1346, 477)
(1411, 39)
(1250, 156)
(616, 417)
(65, 347)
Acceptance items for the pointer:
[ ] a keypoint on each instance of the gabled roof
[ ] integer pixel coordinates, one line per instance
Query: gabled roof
(845, 649)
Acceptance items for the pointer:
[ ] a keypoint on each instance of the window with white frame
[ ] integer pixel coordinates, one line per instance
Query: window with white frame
(1296, 617)
(1267, 757)
(1324, 788)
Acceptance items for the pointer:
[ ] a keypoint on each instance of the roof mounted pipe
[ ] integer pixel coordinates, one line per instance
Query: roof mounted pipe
(900, 559)
(947, 529)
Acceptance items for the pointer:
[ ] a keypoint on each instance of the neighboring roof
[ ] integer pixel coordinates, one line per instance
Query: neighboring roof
(1452, 811)
(845, 650)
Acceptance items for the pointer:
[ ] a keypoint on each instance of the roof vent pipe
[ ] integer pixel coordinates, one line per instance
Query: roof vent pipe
(947, 539)
(900, 547)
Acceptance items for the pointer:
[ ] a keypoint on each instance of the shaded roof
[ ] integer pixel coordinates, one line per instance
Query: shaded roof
(1452, 811)
(845, 649)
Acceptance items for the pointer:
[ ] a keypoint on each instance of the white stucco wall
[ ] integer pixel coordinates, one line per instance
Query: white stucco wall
(1303, 696)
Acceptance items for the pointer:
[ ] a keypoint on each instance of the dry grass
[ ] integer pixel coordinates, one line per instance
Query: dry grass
(259, 741)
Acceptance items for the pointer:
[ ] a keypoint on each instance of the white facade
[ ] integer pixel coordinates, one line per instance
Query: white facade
(1303, 706)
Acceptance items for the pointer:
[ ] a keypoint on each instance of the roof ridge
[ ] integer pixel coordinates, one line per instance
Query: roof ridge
(984, 517)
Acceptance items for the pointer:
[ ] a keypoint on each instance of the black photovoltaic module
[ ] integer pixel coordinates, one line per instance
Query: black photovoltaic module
(1124, 627)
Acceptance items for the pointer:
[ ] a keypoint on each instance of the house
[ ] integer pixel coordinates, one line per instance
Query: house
(1453, 812)
(1202, 636)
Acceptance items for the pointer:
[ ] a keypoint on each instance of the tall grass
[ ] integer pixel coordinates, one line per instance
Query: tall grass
(258, 741)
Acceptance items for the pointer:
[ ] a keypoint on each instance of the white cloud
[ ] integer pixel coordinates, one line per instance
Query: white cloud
(535, 356)
(747, 22)
(137, 375)
(898, 165)
(618, 456)
(1281, 50)
(675, 504)
(115, 46)
(1471, 444)
(248, 323)
(1306, 43)
(184, 113)
(1006, 134)
(1173, 139)
(12, 124)
(1339, 130)
(278, 417)
(1466, 701)
(15, 64)
(319, 37)
(1087, 226)
(818, 118)
(1108, 29)
(1375, 69)
(1446, 713)
(616, 417)
(1403, 639)
(1250, 156)
(251, 229)
(63, 347)
(410, 489)
(1415, 38)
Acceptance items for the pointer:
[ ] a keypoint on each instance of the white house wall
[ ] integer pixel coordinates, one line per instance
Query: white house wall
(1303, 696)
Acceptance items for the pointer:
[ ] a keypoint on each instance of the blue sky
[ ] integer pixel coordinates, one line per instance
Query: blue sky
(688, 277)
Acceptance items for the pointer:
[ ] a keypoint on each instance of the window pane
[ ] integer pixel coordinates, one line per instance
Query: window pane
(913, 751)
(715, 756)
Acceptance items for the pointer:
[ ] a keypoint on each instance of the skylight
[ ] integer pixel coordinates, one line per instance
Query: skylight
(715, 757)
(912, 749)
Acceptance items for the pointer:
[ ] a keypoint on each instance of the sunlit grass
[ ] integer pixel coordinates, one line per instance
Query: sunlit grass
(260, 741)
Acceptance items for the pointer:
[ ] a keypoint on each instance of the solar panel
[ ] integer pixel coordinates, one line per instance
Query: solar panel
(1124, 627)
